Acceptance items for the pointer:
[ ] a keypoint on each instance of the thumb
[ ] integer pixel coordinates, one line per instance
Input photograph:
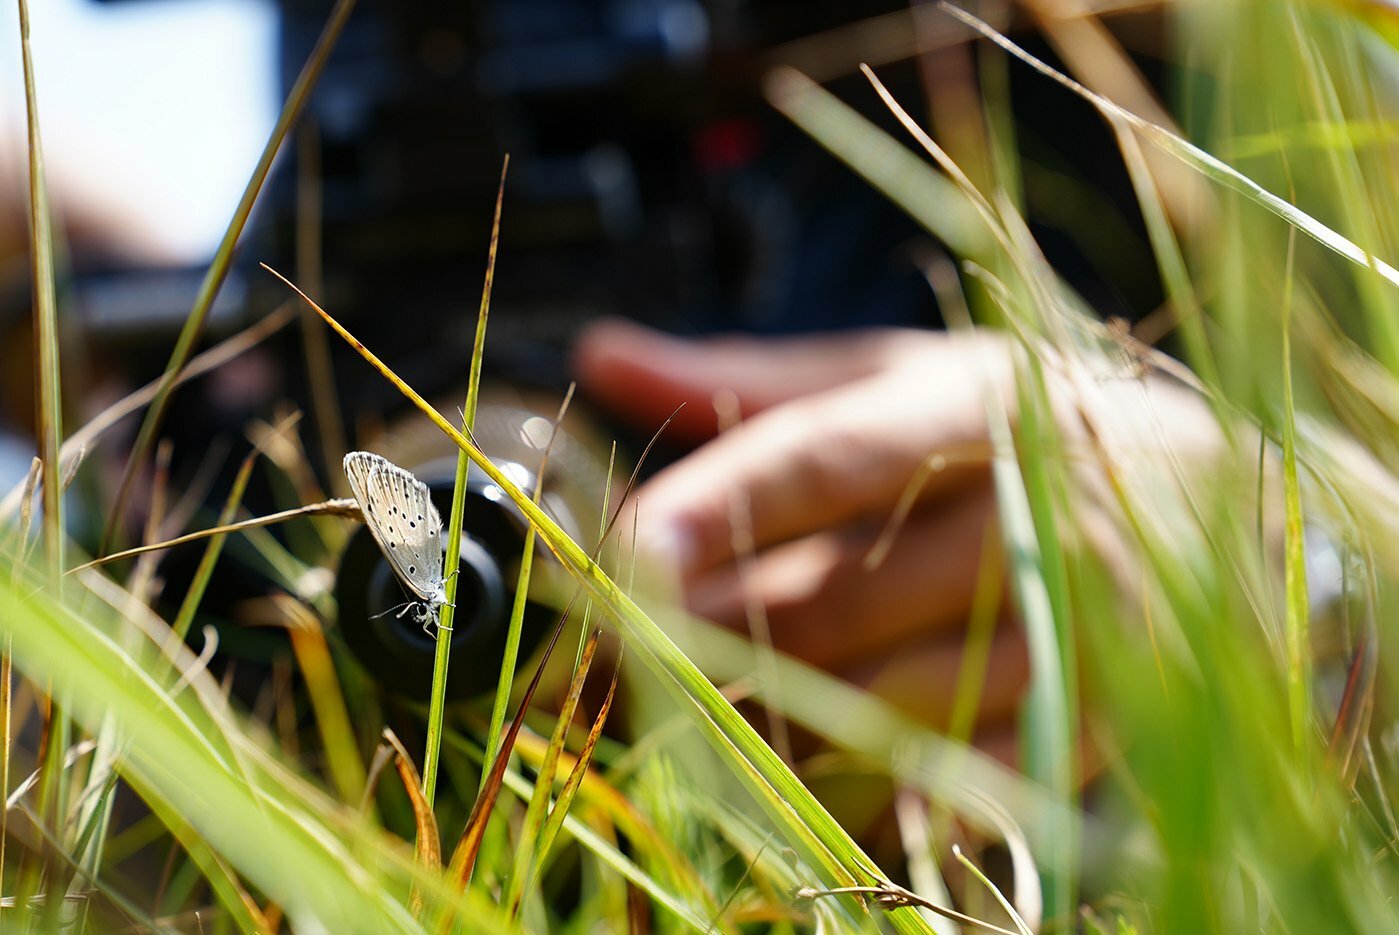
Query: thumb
(642, 375)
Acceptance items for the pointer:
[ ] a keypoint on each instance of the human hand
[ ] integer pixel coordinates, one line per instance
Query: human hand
(834, 430)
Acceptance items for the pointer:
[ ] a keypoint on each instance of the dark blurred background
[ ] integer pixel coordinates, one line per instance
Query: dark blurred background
(648, 179)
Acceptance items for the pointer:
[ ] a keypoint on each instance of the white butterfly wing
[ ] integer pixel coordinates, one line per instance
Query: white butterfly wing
(400, 514)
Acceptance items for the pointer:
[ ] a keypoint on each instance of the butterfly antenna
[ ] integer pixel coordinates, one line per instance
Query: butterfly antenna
(401, 608)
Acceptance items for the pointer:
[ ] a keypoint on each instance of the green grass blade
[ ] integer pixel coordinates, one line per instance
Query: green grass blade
(510, 657)
(550, 831)
(1047, 729)
(975, 871)
(1170, 260)
(190, 605)
(615, 859)
(442, 656)
(1294, 566)
(536, 812)
(930, 199)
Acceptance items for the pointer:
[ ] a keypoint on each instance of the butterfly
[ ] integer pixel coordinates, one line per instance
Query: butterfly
(398, 510)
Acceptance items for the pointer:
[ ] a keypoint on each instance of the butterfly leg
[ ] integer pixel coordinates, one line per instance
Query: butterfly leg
(428, 618)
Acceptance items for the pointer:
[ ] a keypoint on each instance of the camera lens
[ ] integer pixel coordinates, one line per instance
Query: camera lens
(385, 636)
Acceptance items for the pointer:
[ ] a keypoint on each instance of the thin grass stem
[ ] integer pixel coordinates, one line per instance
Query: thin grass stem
(442, 654)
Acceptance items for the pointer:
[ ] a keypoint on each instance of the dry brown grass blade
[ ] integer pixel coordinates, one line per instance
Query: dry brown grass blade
(286, 451)
(428, 849)
(1353, 713)
(346, 507)
(977, 453)
(578, 773)
(536, 813)
(48, 385)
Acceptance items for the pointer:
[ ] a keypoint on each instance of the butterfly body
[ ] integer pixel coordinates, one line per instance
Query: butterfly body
(399, 512)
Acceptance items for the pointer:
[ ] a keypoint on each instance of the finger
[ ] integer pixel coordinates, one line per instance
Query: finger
(644, 375)
(820, 462)
(922, 679)
(824, 606)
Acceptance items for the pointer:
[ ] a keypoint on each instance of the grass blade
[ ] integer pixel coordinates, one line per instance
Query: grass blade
(347, 507)
(557, 814)
(535, 813)
(1020, 925)
(49, 417)
(50, 404)
(320, 372)
(308, 643)
(469, 845)
(428, 847)
(517, 610)
(184, 618)
(616, 860)
(442, 657)
(285, 838)
(1298, 610)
